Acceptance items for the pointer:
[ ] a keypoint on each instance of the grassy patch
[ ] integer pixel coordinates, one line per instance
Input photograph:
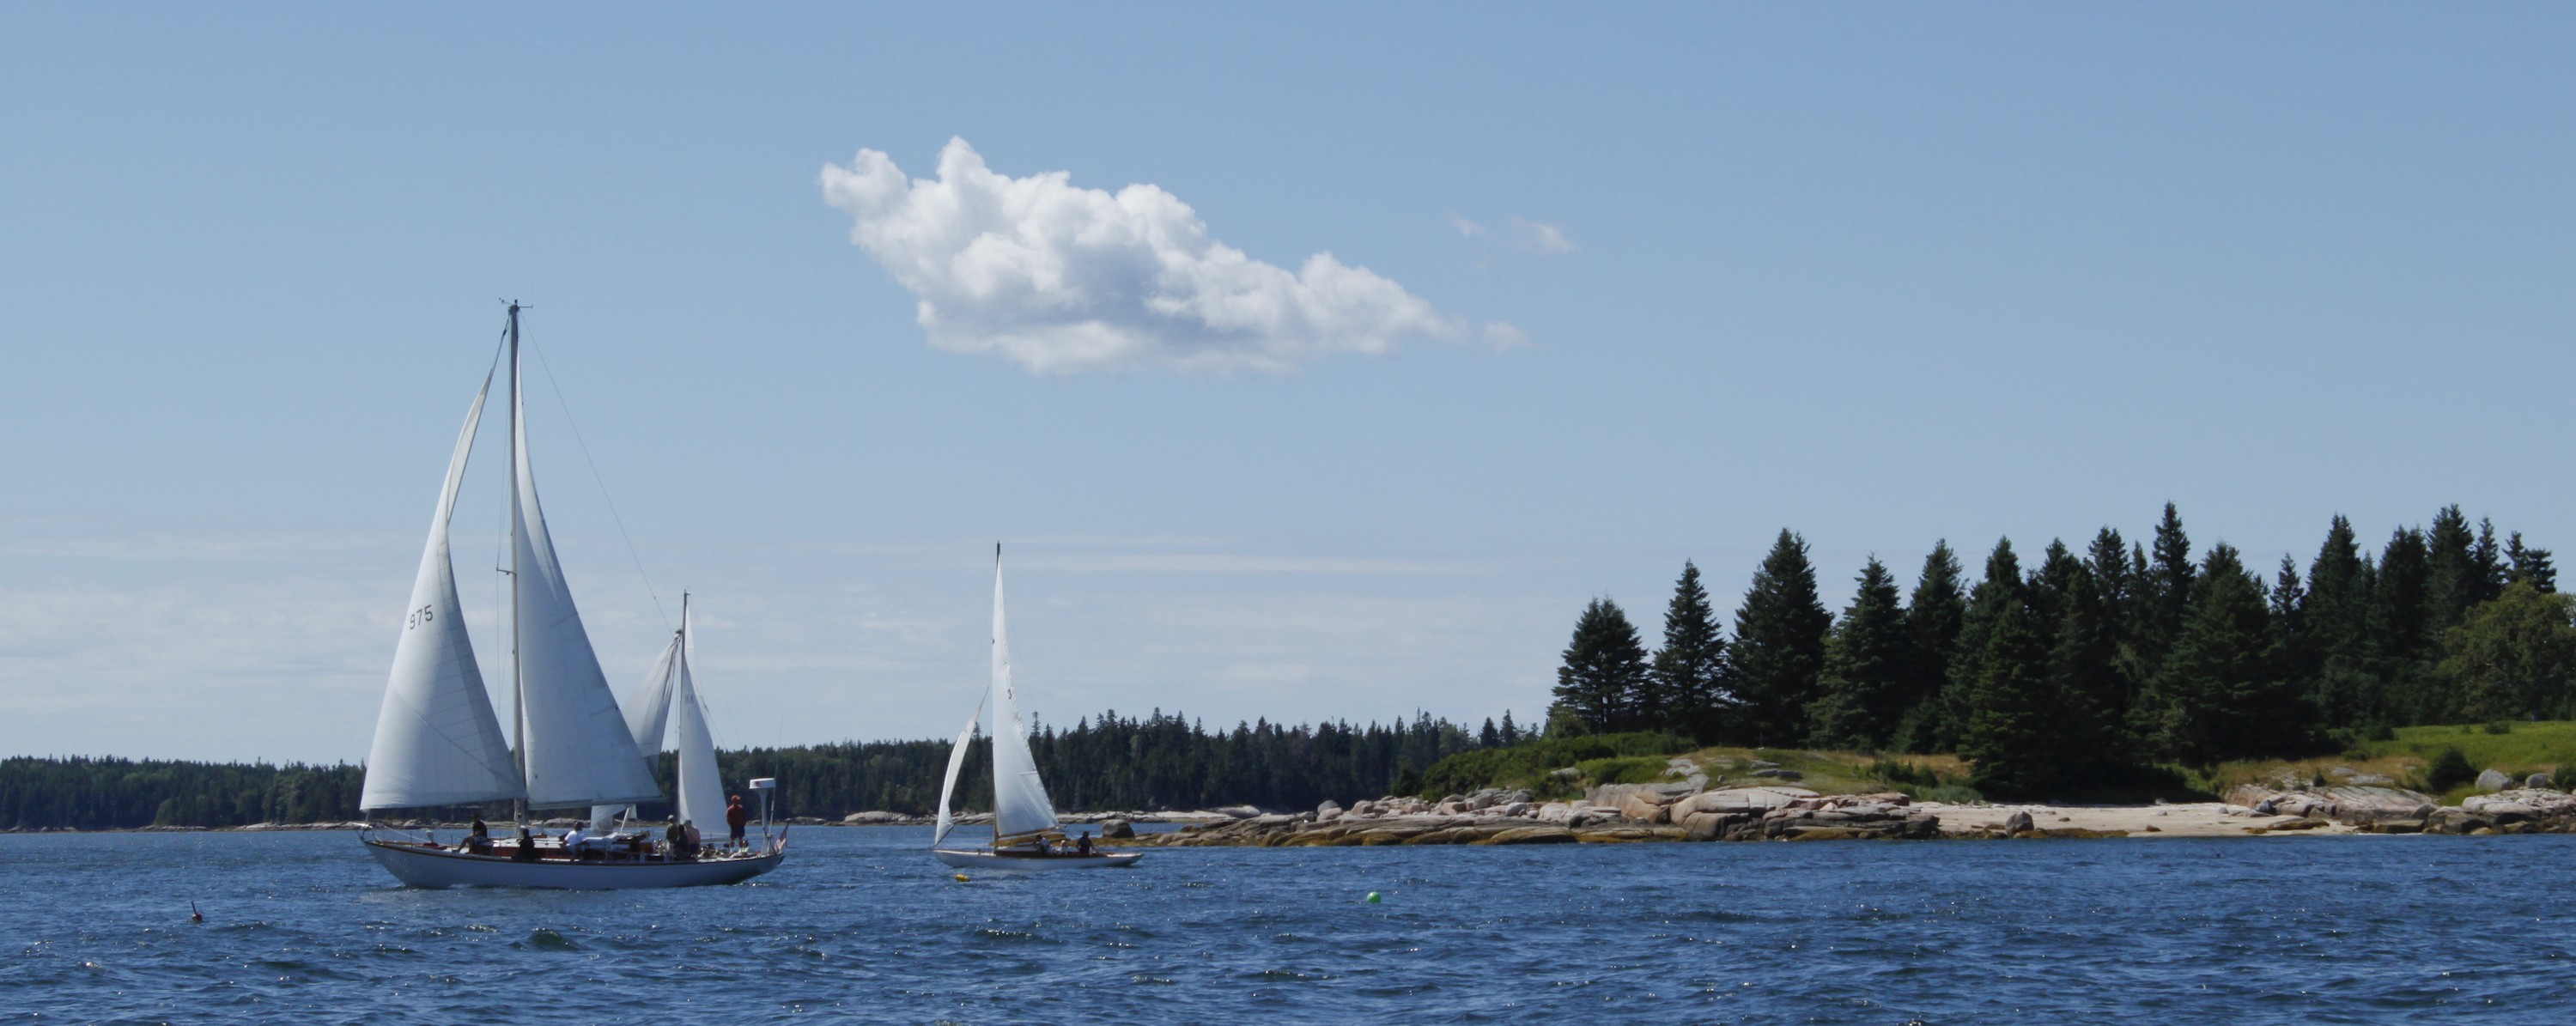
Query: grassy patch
(2532, 747)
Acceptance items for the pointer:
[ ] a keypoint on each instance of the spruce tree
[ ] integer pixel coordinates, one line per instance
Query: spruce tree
(1867, 661)
(2084, 674)
(1489, 737)
(2220, 694)
(2400, 630)
(2529, 566)
(2453, 581)
(2165, 589)
(1690, 669)
(2342, 681)
(2002, 589)
(1511, 731)
(1605, 666)
(1932, 616)
(1779, 646)
(2011, 731)
(2114, 584)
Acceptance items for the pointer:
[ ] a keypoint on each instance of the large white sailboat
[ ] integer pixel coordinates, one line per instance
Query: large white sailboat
(438, 742)
(1025, 834)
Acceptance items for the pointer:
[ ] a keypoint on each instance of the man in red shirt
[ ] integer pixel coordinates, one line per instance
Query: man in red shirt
(736, 816)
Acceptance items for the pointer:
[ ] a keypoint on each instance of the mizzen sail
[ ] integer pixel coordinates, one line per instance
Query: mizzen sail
(437, 740)
(648, 714)
(702, 797)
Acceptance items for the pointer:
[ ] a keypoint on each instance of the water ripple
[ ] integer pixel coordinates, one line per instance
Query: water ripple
(859, 926)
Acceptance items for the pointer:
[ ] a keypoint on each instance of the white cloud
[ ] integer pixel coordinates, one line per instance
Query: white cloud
(1503, 336)
(1062, 279)
(1545, 238)
(1466, 228)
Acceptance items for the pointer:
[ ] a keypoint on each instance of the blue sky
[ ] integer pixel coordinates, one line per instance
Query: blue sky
(1881, 275)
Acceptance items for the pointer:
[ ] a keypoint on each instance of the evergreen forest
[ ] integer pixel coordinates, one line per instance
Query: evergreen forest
(2096, 670)
(1105, 762)
(2065, 674)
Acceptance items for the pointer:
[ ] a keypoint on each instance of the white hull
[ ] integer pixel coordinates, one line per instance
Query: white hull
(1033, 863)
(423, 866)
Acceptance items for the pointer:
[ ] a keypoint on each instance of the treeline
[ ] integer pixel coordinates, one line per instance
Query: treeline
(1159, 761)
(2090, 667)
(110, 793)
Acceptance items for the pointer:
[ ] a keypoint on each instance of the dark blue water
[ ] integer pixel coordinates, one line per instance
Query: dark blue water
(861, 926)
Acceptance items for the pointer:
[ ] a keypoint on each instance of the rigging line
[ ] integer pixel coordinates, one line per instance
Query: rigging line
(557, 386)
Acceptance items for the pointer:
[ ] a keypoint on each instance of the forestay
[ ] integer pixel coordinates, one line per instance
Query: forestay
(437, 739)
(577, 746)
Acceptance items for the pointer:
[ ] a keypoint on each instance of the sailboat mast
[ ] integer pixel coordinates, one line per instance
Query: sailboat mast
(518, 684)
(995, 747)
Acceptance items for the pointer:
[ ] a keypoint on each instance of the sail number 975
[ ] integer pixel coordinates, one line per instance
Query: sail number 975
(421, 616)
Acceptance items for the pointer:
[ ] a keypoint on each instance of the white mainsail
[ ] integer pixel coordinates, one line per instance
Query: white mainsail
(437, 740)
(1020, 804)
(702, 797)
(948, 785)
(575, 744)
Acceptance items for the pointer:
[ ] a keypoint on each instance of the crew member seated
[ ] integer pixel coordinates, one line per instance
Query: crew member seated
(527, 850)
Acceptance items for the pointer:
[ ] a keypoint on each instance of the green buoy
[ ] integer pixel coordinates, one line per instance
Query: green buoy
(1371, 899)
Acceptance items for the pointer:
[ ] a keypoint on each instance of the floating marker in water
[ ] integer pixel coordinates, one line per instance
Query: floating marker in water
(1371, 899)
(195, 916)
(961, 878)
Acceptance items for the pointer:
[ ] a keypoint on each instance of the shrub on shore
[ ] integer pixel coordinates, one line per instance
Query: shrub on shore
(1528, 763)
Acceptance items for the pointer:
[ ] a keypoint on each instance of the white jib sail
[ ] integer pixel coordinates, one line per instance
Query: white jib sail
(1020, 804)
(648, 714)
(948, 785)
(578, 750)
(437, 740)
(702, 797)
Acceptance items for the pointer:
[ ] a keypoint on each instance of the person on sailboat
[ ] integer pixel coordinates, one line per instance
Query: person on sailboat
(527, 851)
(479, 841)
(737, 817)
(678, 838)
(696, 840)
(1082, 845)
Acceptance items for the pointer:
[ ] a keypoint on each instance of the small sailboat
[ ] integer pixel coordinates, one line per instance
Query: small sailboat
(1025, 833)
(438, 742)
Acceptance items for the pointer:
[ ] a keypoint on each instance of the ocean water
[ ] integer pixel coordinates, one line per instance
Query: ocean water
(861, 926)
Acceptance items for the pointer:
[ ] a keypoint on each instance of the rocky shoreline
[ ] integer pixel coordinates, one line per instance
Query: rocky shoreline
(1687, 811)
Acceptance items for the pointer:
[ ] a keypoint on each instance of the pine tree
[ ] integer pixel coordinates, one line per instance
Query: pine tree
(2528, 565)
(2220, 694)
(1867, 661)
(1779, 646)
(1489, 737)
(1605, 666)
(1690, 669)
(1932, 616)
(1511, 731)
